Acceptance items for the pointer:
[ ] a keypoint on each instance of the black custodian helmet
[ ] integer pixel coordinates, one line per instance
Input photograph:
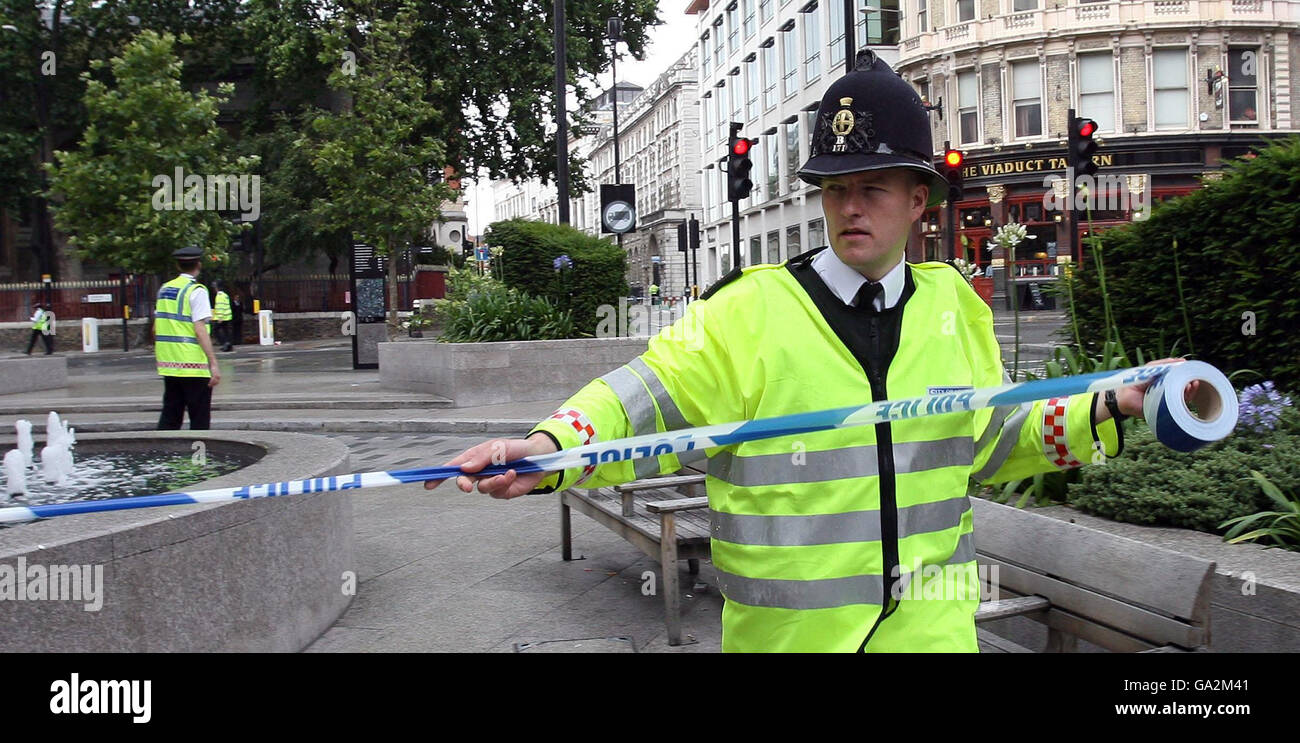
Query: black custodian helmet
(871, 119)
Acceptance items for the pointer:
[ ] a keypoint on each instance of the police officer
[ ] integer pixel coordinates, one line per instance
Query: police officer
(222, 315)
(41, 328)
(182, 346)
(818, 538)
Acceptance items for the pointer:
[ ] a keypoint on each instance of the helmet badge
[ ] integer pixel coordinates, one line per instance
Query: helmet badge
(850, 131)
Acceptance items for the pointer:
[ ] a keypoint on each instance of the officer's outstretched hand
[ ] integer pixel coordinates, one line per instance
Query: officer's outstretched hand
(499, 451)
(1130, 398)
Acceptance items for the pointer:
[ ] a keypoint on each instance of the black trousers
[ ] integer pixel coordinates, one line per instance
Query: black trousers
(186, 393)
(49, 342)
(221, 333)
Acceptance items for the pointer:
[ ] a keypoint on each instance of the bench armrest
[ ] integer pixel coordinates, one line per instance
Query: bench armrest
(659, 482)
(677, 504)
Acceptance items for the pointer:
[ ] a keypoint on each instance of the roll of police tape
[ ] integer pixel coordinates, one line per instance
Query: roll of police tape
(1174, 423)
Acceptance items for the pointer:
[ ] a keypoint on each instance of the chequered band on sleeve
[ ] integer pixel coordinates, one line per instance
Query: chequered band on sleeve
(1055, 443)
(583, 426)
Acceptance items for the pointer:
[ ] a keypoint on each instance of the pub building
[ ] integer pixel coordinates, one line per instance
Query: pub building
(1175, 87)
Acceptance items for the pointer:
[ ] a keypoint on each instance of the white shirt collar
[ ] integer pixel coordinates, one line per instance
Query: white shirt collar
(845, 281)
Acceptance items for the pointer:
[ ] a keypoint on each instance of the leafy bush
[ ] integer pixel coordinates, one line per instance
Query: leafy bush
(1238, 244)
(597, 275)
(1281, 527)
(1154, 485)
(481, 309)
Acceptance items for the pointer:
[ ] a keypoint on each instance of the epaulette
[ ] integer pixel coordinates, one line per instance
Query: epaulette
(729, 277)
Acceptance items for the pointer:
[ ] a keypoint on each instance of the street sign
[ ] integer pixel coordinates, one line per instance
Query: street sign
(97, 298)
(617, 208)
(481, 254)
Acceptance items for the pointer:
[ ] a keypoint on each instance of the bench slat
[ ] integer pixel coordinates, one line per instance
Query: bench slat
(991, 643)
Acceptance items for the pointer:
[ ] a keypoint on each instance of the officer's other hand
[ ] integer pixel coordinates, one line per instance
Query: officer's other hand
(499, 451)
(216, 375)
(1130, 398)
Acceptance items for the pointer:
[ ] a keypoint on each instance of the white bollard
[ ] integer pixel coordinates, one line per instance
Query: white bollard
(89, 334)
(265, 328)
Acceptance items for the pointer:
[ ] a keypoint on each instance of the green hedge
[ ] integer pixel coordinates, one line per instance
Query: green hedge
(1154, 485)
(1238, 251)
(530, 248)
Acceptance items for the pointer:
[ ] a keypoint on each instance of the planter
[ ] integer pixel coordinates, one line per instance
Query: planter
(984, 287)
(493, 373)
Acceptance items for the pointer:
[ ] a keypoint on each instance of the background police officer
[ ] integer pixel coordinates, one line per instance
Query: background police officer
(182, 346)
(41, 328)
(222, 315)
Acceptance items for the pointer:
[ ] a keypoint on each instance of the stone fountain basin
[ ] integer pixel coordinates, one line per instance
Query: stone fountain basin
(243, 576)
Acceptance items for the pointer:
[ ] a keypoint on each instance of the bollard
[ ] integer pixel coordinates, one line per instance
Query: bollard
(265, 328)
(89, 334)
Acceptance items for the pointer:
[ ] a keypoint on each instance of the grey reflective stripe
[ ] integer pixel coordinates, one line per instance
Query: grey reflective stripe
(834, 528)
(175, 339)
(171, 316)
(640, 409)
(965, 551)
(826, 593)
(672, 415)
(1009, 435)
(838, 464)
(994, 427)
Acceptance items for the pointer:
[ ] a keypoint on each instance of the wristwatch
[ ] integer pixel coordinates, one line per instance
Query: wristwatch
(1112, 404)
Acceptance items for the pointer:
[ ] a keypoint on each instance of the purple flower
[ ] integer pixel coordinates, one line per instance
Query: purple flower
(562, 262)
(1261, 407)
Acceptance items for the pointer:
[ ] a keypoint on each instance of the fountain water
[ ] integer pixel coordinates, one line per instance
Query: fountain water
(25, 444)
(15, 467)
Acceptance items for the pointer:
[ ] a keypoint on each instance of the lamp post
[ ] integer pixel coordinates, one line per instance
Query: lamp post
(614, 28)
(561, 117)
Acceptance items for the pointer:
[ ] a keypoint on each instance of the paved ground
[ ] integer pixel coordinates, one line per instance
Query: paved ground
(440, 570)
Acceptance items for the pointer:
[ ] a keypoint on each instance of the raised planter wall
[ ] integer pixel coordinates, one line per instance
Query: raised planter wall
(492, 373)
(264, 575)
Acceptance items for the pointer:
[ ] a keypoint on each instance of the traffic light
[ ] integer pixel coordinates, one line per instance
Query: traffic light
(739, 165)
(1082, 146)
(466, 249)
(950, 169)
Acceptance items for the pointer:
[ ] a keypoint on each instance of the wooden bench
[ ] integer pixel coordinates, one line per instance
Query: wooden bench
(1118, 593)
(661, 516)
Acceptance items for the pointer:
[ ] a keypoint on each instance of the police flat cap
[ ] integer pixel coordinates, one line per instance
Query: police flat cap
(188, 253)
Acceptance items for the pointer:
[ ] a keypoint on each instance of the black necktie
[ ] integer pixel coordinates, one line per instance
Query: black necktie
(865, 298)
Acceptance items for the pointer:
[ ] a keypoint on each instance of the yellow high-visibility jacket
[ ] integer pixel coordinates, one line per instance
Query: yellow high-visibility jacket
(822, 540)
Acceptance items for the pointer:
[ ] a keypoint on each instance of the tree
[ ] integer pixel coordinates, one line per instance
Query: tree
(42, 58)
(376, 165)
(119, 200)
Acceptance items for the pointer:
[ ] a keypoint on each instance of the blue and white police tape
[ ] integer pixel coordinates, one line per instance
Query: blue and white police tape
(1164, 408)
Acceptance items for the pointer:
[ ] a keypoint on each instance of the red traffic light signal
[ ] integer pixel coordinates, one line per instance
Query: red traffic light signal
(739, 164)
(1082, 146)
(951, 172)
